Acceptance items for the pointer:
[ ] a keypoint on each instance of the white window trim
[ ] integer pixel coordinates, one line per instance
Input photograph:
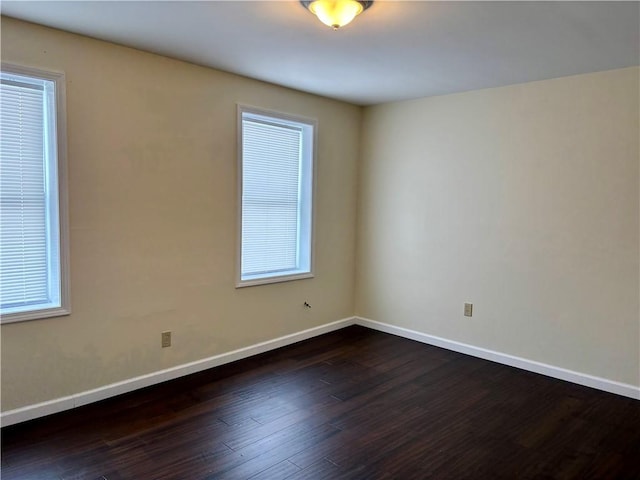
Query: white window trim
(241, 108)
(63, 216)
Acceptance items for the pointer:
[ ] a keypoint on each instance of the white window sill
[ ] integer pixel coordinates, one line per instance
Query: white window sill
(273, 279)
(34, 315)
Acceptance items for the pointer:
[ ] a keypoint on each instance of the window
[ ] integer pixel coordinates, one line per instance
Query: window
(276, 191)
(33, 255)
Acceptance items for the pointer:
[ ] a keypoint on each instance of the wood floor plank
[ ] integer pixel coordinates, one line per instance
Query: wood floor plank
(351, 404)
(278, 471)
(321, 470)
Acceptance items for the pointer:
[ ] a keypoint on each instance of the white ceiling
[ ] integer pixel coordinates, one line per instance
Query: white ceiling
(395, 50)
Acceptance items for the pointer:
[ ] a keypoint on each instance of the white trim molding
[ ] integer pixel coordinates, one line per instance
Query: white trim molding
(599, 383)
(31, 412)
(57, 218)
(307, 155)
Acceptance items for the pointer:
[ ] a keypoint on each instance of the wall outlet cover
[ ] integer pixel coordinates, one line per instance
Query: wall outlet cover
(166, 339)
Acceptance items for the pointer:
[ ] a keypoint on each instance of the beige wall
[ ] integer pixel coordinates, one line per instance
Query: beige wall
(522, 200)
(152, 188)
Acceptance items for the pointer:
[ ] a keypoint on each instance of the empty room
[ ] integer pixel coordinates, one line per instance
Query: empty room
(329, 239)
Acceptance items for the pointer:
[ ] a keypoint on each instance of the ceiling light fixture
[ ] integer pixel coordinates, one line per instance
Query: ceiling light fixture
(336, 13)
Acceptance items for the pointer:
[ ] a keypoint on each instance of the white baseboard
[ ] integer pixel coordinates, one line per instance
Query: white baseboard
(611, 386)
(31, 412)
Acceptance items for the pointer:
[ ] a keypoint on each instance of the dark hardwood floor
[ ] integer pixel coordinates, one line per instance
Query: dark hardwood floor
(352, 404)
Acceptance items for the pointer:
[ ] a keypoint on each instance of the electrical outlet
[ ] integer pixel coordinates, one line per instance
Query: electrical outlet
(468, 309)
(166, 339)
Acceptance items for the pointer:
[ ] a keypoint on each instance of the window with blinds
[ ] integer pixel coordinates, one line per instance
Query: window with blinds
(276, 190)
(32, 284)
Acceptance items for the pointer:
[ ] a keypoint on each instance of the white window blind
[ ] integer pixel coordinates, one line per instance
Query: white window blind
(276, 163)
(30, 266)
